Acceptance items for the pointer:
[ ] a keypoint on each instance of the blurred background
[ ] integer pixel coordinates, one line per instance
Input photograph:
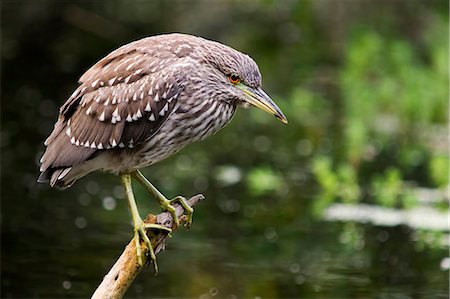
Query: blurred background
(347, 201)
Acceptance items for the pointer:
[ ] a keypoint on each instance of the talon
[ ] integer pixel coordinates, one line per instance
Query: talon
(188, 209)
(140, 233)
(157, 226)
(168, 206)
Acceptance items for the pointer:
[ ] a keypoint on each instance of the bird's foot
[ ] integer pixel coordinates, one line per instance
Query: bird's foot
(167, 205)
(140, 233)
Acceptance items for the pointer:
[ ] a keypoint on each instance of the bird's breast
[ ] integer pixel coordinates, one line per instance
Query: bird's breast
(187, 123)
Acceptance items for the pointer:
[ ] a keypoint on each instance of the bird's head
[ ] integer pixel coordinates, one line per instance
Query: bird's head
(235, 77)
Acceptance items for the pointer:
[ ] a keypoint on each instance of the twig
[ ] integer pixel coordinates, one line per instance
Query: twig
(126, 268)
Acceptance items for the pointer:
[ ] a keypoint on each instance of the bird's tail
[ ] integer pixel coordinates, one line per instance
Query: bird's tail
(63, 163)
(62, 178)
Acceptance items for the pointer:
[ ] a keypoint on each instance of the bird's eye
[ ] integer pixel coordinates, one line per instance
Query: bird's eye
(234, 78)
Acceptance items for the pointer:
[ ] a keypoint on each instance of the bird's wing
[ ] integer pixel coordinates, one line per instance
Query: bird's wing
(122, 101)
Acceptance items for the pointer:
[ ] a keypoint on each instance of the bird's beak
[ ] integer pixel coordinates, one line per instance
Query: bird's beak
(258, 98)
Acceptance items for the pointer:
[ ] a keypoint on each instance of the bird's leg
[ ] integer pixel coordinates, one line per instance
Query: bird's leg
(140, 228)
(166, 204)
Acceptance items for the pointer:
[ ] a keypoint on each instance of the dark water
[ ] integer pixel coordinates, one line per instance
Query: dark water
(61, 246)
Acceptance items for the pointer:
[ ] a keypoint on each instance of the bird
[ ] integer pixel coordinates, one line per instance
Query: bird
(141, 104)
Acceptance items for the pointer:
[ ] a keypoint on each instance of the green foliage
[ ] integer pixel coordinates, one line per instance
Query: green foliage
(391, 97)
(341, 184)
(387, 187)
(439, 169)
(388, 93)
(263, 180)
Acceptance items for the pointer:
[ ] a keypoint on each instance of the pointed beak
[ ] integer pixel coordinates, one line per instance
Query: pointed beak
(258, 98)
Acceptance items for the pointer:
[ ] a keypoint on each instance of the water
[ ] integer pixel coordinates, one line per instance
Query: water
(62, 246)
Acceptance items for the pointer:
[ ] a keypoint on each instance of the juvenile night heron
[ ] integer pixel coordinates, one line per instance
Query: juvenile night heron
(143, 103)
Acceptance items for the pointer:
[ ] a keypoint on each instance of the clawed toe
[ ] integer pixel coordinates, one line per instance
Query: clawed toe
(188, 209)
(140, 233)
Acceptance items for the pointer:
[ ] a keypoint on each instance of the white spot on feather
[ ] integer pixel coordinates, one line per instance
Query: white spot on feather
(102, 116)
(72, 140)
(121, 145)
(138, 113)
(87, 144)
(113, 143)
(111, 81)
(75, 93)
(64, 173)
(148, 108)
(100, 146)
(127, 79)
(115, 116)
(129, 118)
(94, 83)
(156, 99)
(89, 110)
(152, 117)
(93, 145)
(68, 132)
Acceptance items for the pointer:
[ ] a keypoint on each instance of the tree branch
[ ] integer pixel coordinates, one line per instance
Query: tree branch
(117, 281)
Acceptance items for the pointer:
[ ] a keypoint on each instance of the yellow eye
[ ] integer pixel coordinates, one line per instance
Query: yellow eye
(234, 78)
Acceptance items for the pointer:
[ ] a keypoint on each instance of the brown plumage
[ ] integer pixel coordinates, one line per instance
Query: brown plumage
(141, 104)
(145, 101)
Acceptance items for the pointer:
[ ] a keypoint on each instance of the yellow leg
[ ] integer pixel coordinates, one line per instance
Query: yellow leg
(140, 228)
(166, 204)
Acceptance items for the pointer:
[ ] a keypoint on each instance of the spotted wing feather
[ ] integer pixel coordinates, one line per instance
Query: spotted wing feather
(122, 115)
(121, 102)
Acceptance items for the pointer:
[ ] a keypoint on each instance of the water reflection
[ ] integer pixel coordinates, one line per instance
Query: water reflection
(418, 218)
(223, 256)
